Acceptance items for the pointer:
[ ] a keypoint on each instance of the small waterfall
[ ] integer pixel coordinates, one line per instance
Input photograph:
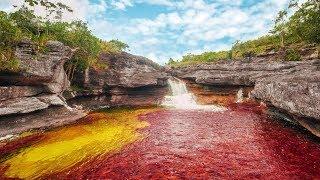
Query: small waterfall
(240, 96)
(180, 98)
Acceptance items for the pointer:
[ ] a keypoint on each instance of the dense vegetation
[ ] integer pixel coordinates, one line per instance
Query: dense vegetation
(287, 36)
(24, 24)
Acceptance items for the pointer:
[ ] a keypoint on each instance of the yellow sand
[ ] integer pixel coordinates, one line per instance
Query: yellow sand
(65, 147)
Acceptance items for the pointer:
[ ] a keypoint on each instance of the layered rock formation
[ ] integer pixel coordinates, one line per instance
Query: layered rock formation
(293, 87)
(128, 80)
(39, 82)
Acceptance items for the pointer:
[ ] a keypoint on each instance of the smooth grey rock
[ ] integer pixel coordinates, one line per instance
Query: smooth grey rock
(127, 70)
(40, 69)
(12, 92)
(29, 104)
(21, 106)
(298, 94)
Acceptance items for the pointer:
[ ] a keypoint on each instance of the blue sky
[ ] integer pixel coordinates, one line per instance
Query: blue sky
(160, 29)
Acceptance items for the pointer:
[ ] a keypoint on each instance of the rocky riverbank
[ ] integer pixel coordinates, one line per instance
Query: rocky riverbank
(39, 94)
(129, 80)
(292, 87)
(41, 83)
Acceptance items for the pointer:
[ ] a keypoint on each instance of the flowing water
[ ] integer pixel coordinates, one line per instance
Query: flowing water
(240, 96)
(185, 140)
(181, 98)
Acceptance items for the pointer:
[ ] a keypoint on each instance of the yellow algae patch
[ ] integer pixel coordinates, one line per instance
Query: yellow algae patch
(64, 147)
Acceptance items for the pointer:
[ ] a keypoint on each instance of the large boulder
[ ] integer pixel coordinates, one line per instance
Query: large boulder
(297, 93)
(127, 70)
(127, 80)
(40, 69)
(40, 81)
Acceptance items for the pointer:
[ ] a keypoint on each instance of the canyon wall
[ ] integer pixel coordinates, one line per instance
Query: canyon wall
(39, 94)
(128, 80)
(291, 86)
(38, 83)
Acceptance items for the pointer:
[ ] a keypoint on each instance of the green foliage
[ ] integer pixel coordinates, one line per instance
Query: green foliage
(292, 55)
(113, 46)
(76, 35)
(9, 35)
(255, 47)
(291, 33)
(119, 45)
(52, 8)
(24, 24)
(305, 22)
(9, 66)
(206, 57)
(171, 61)
(302, 26)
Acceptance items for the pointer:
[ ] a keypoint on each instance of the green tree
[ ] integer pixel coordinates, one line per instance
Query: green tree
(280, 27)
(10, 34)
(121, 46)
(51, 7)
(305, 22)
(171, 61)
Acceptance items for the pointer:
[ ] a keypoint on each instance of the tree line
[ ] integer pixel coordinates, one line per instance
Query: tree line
(24, 24)
(289, 33)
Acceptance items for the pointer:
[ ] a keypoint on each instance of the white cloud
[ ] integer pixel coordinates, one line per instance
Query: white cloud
(122, 4)
(82, 9)
(185, 25)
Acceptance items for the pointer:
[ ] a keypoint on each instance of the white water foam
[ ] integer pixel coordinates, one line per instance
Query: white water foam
(240, 96)
(180, 98)
(10, 136)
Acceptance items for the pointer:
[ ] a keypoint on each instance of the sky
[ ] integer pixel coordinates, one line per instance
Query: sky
(163, 29)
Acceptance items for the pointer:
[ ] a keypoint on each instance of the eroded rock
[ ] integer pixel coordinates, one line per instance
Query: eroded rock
(291, 86)
(29, 104)
(12, 92)
(298, 94)
(40, 69)
(39, 82)
(128, 80)
(127, 70)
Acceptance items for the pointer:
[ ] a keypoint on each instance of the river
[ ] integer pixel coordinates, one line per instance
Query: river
(180, 140)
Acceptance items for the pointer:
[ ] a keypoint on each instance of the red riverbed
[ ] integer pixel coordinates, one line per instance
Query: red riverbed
(236, 144)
